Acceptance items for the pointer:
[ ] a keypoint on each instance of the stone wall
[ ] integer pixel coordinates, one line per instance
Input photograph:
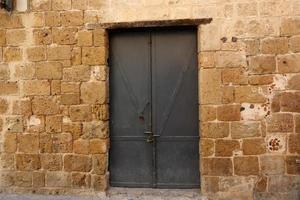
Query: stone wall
(54, 94)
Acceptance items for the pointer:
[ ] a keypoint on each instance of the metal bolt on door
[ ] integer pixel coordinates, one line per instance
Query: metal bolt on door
(154, 108)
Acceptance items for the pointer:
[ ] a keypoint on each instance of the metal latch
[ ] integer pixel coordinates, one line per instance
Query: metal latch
(150, 137)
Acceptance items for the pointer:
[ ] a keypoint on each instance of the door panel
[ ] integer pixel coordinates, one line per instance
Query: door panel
(175, 107)
(153, 90)
(130, 155)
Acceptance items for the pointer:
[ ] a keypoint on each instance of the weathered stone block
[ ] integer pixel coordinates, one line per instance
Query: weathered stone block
(207, 147)
(94, 55)
(99, 183)
(15, 37)
(225, 148)
(99, 73)
(55, 87)
(207, 59)
(215, 130)
(81, 146)
(237, 184)
(10, 143)
(100, 164)
(2, 37)
(36, 53)
(254, 146)
(69, 87)
(289, 63)
(293, 143)
(36, 124)
(252, 47)
(52, 19)
(263, 64)
(229, 113)
(4, 72)
(290, 26)
(249, 94)
(23, 179)
(46, 143)
(246, 166)
(294, 83)
(45, 106)
(51, 162)
(274, 46)
(38, 179)
(78, 163)
(6, 178)
(217, 166)
(53, 123)
(99, 146)
(210, 86)
(295, 44)
(94, 92)
(14, 124)
(62, 143)
(261, 79)
(228, 59)
(280, 122)
(70, 99)
(210, 184)
(85, 38)
(28, 162)
(101, 112)
(292, 167)
(245, 130)
(64, 36)
(12, 54)
(271, 165)
(58, 179)
(247, 9)
(72, 18)
(21, 107)
(42, 36)
(77, 73)
(7, 161)
(38, 5)
(100, 37)
(61, 4)
(79, 4)
(58, 53)
(36, 88)
(75, 129)
(80, 113)
(3, 106)
(290, 102)
(28, 143)
(95, 129)
(208, 113)
(234, 76)
(297, 123)
(81, 180)
(25, 72)
(282, 183)
(49, 70)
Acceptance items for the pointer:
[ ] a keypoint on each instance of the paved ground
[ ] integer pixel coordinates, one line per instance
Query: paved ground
(118, 194)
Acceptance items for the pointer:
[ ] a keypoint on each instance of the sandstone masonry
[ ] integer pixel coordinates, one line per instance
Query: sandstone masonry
(54, 94)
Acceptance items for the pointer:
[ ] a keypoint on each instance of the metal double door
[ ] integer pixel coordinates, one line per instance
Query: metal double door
(154, 108)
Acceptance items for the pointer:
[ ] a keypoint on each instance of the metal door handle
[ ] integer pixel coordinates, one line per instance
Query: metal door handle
(151, 138)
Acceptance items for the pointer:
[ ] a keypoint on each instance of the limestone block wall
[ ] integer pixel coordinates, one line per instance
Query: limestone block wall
(54, 94)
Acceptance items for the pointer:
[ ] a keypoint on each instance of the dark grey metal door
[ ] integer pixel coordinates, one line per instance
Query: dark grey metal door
(154, 108)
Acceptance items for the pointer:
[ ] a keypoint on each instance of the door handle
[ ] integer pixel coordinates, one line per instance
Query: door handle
(151, 138)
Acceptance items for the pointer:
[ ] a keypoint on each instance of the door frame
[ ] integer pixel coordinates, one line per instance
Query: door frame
(177, 24)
